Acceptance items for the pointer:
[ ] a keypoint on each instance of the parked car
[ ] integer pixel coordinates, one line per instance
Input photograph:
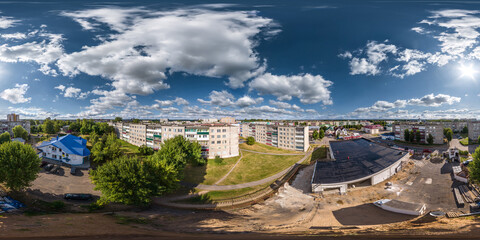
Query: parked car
(73, 171)
(48, 167)
(78, 196)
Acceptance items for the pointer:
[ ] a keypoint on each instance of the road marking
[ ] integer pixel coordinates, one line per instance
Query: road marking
(428, 181)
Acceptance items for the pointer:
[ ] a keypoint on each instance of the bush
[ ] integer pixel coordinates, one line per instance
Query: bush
(218, 160)
(250, 141)
(461, 152)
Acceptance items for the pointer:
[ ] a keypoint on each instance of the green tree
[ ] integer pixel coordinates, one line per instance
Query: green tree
(418, 137)
(449, 134)
(20, 165)
(411, 135)
(4, 137)
(20, 132)
(315, 135)
(465, 130)
(406, 135)
(321, 134)
(135, 120)
(145, 150)
(106, 149)
(430, 139)
(478, 140)
(48, 126)
(250, 140)
(118, 119)
(474, 166)
(179, 152)
(133, 181)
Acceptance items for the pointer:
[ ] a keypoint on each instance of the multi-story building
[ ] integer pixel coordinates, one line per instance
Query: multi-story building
(228, 120)
(216, 139)
(473, 130)
(7, 126)
(435, 129)
(13, 117)
(276, 135)
(456, 126)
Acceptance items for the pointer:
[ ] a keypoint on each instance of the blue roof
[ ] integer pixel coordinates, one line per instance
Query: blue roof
(69, 144)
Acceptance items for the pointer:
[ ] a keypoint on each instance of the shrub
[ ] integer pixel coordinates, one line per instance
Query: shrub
(250, 140)
(218, 160)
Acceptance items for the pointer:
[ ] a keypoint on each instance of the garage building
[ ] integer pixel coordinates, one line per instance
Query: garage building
(356, 162)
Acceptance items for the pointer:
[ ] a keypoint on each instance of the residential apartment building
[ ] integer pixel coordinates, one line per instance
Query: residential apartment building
(216, 139)
(276, 135)
(456, 126)
(7, 126)
(13, 117)
(436, 129)
(473, 130)
(227, 120)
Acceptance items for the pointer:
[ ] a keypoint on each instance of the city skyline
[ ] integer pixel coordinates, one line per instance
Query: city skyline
(334, 60)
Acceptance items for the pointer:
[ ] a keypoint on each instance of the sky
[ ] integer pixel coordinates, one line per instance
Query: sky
(274, 59)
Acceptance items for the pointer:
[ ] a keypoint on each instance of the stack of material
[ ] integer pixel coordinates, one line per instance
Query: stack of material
(467, 194)
(8, 204)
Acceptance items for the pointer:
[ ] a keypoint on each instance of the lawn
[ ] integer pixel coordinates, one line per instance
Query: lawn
(464, 141)
(255, 166)
(258, 147)
(210, 173)
(319, 153)
(128, 148)
(222, 195)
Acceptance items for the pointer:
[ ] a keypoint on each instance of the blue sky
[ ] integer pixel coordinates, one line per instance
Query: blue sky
(257, 59)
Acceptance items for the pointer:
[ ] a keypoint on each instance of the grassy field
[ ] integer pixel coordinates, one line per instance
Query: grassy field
(128, 148)
(210, 173)
(464, 141)
(320, 153)
(254, 167)
(258, 147)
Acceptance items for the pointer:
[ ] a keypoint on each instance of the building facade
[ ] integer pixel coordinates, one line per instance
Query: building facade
(276, 135)
(473, 131)
(13, 117)
(68, 149)
(7, 126)
(216, 139)
(435, 129)
(227, 120)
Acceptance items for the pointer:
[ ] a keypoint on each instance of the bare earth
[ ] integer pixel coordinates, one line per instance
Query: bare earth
(293, 213)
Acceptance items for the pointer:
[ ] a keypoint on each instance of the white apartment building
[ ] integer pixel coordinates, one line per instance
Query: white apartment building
(276, 135)
(473, 131)
(216, 139)
(424, 128)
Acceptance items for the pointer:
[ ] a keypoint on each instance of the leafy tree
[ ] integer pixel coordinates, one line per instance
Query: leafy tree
(418, 137)
(315, 135)
(4, 137)
(465, 129)
(20, 132)
(411, 135)
(48, 126)
(406, 135)
(20, 165)
(449, 134)
(430, 139)
(321, 134)
(478, 140)
(135, 120)
(132, 181)
(118, 119)
(474, 166)
(106, 149)
(145, 150)
(250, 140)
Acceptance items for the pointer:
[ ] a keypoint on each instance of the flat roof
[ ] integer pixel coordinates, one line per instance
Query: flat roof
(355, 159)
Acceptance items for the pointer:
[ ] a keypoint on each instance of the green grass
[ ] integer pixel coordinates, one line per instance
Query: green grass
(320, 153)
(128, 148)
(464, 141)
(255, 166)
(210, 173)
(258, 147)
(223, 195)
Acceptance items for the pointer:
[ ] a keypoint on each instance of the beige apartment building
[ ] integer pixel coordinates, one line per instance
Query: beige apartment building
(436, 129)
(227, 120)
(473, 131)
(276, 135)
(216, 139)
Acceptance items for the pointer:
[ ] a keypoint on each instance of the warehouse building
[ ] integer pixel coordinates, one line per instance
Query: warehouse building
(355, 163)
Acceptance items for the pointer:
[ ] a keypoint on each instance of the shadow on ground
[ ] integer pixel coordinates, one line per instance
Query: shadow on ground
(368, 214)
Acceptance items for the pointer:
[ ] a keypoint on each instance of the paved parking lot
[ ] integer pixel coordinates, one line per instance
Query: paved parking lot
(50, 186)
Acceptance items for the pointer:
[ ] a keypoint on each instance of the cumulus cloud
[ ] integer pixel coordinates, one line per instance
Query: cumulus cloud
(72, 92)
(177, 100)
(246, 101)
(7, 22)
(17, 94)
(17, 35)
(308, 88)
(34, 112)
(285, 105)
(226, 99)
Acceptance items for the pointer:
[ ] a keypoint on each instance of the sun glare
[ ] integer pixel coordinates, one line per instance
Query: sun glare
(467, 71)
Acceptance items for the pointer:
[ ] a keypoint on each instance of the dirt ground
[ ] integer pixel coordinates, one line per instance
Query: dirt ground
(50, 187)
(292, 213)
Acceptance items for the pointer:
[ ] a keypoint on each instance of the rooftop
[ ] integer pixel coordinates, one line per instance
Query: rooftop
(355, 159)
(70, 144)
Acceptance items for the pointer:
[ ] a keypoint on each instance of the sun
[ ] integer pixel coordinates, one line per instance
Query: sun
(467, 71)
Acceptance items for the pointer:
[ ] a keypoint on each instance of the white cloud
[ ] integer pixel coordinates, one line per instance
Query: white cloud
(72, 92)
(17, 35)
(60, 87)
(7, 22)
(33, 112)
(308, 88)
(285, 105)
(226, 99)
(177, 100)
(16, 95)
(431, 100)
(246, 101)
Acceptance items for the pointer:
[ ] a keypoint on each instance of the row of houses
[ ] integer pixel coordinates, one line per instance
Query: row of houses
(278, 135)
(216, 139)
